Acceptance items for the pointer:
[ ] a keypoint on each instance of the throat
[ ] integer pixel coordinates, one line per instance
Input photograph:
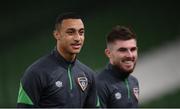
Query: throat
(120, 72)
(70, 57)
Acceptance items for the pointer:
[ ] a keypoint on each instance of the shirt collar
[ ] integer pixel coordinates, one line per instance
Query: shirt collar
(61, 60)
(116, 72)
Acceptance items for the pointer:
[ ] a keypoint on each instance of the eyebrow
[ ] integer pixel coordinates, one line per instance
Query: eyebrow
(75, 29)
(124, 48)
(81, 29)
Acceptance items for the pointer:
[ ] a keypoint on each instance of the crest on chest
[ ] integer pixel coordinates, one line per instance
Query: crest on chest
(82, 82)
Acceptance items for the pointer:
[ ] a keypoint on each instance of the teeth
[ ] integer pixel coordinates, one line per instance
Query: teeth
(128, 62)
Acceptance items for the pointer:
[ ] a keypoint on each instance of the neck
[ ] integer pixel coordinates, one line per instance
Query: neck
(67, 56)
(120, 71)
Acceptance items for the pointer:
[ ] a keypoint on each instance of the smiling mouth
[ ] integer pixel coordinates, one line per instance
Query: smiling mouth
(128, 62)
(76, 46)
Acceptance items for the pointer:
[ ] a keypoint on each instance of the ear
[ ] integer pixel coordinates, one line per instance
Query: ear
(56, 34)
(107, 52)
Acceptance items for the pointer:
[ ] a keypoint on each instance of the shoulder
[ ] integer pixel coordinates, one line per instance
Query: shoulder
(103, 79)
(133, 80)
(40, 66)
(102, 75)
(103, 83)
(84, 67)
(44, 63)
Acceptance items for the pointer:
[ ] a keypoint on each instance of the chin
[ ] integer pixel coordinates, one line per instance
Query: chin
(124, 69)
(76, 52)
(128, 71)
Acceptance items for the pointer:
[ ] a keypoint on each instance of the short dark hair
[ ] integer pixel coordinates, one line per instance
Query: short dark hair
(120, 33)
(67, 15)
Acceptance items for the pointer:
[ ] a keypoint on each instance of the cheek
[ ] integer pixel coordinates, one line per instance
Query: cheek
(82, 38)
(116, 57)
(135, 55)
(66, 39)
(64, 42)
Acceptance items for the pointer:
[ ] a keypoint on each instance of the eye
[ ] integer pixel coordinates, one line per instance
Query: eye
(70, 31)
(81, 32)
(122, 49)
(134, 49)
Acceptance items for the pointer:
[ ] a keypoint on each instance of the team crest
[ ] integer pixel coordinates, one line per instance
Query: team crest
(136, 92)
(83, 82)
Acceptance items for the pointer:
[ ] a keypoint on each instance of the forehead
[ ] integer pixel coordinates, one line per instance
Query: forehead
(125, 43)
(72, 23)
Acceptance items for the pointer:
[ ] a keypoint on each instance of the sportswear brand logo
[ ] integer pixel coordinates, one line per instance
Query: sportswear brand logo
(83, 82)
(58, 83)
(118, 95)
(136, 92)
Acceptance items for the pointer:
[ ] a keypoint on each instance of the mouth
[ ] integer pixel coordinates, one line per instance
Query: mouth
(76, 46)
(128, 62)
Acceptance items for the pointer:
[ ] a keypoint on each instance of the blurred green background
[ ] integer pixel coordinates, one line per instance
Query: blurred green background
(26, 34)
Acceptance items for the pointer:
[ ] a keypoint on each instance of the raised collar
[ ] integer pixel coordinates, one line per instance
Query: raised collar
(115, 72)
(61, 59)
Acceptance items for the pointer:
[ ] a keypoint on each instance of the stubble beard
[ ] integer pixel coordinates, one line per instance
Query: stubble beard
(121, 69)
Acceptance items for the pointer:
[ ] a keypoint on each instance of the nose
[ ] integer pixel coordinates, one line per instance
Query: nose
(129, 53)
(77, 37)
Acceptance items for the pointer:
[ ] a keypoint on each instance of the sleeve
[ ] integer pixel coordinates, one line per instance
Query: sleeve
(30, 90)
(102, 93)
(92, 98)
